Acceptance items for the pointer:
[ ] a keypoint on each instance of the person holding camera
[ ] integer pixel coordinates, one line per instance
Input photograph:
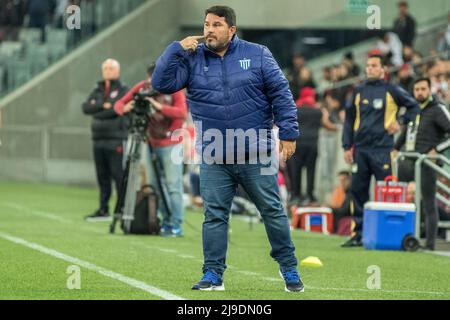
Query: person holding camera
(109, 133)
(168, 113)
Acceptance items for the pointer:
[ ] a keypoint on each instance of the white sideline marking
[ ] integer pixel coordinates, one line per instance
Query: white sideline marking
(439, 253)
(38, 213)
(167, 250)
(186, 256)
(47, 215)
(90, 266)
(375, 290)
(272, 279)
(249, 273)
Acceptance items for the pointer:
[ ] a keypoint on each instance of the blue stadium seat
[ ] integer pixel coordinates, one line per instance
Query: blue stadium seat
(30, 36)
(2, 79)
(38, 57)
(10, 48)
(18, 72)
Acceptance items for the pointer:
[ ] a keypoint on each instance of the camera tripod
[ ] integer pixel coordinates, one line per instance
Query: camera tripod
(126, 200)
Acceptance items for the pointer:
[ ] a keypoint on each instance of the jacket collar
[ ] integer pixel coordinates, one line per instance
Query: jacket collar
(375, 82)
(114, 83)
(432, 102)
(233, 44)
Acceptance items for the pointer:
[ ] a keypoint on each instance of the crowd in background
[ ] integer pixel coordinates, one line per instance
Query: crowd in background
(403, 64)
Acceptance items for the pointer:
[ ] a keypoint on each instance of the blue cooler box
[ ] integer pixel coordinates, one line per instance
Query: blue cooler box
(387, 224)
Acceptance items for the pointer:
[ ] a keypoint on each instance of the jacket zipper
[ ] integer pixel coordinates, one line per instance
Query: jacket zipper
(225, 86)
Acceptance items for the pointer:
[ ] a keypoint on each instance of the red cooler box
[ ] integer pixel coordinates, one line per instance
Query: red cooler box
(313, 219)
(390, 190)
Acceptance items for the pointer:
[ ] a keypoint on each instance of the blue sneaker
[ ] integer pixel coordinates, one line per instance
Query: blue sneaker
(209, 282)
(165, 231)
(177, 232)
(292, 281)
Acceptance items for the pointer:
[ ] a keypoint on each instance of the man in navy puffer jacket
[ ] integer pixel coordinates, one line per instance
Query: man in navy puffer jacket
(236, 92)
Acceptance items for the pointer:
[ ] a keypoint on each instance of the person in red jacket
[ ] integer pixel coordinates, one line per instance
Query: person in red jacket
(170, 114)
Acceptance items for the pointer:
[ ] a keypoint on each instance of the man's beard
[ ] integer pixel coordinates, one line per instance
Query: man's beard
(421, 99)
(218, 47)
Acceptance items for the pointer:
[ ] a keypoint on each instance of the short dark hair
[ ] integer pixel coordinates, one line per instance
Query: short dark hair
(349, 56)
(298, 55)
(225, 12)
(426, 79)
(377, 56)
(403, 4)
(344, 173)
(333, 95)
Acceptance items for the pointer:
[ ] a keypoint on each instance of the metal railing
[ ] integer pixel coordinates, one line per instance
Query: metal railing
(420, 161)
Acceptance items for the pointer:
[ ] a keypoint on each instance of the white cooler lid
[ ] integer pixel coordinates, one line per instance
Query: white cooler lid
(392, 206)
(314, 210)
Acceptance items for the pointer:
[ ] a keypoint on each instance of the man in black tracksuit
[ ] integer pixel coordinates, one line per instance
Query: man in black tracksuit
(370, 123)
(426, 135)
(405, 25)
(305, 156)
(39, 12)
(109, 133)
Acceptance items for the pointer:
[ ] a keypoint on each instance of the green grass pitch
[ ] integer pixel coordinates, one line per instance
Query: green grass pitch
(52, 217)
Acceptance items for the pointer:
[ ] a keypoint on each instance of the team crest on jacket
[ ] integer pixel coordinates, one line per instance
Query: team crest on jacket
(245, 63)
(378, 104)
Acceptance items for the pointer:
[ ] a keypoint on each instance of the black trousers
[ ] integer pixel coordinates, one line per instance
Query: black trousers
(109, 165)
(428, 190)
(304, 156)
(367, 163)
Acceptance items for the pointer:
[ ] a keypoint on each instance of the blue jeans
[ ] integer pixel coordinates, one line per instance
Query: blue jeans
(218, 184)
(173, 184)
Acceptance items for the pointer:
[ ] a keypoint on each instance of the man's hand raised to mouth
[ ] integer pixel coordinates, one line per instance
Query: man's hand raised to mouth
(191, 42)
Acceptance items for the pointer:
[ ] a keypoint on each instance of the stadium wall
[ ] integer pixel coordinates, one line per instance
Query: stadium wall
(45, 136)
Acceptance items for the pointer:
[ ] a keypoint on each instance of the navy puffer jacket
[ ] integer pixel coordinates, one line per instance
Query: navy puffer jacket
(243, 90)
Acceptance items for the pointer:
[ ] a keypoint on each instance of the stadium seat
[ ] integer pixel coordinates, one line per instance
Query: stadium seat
(55, 51)
(57, 43)
(10, 48)
(3, 85)
(3, 60)
(119, 8)
(22, 59)
(101, 14)
(2, 78)
(133, 4)
(58, 37)
(38, 57)
(88, 20)
(18, 72)
(30, 36)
